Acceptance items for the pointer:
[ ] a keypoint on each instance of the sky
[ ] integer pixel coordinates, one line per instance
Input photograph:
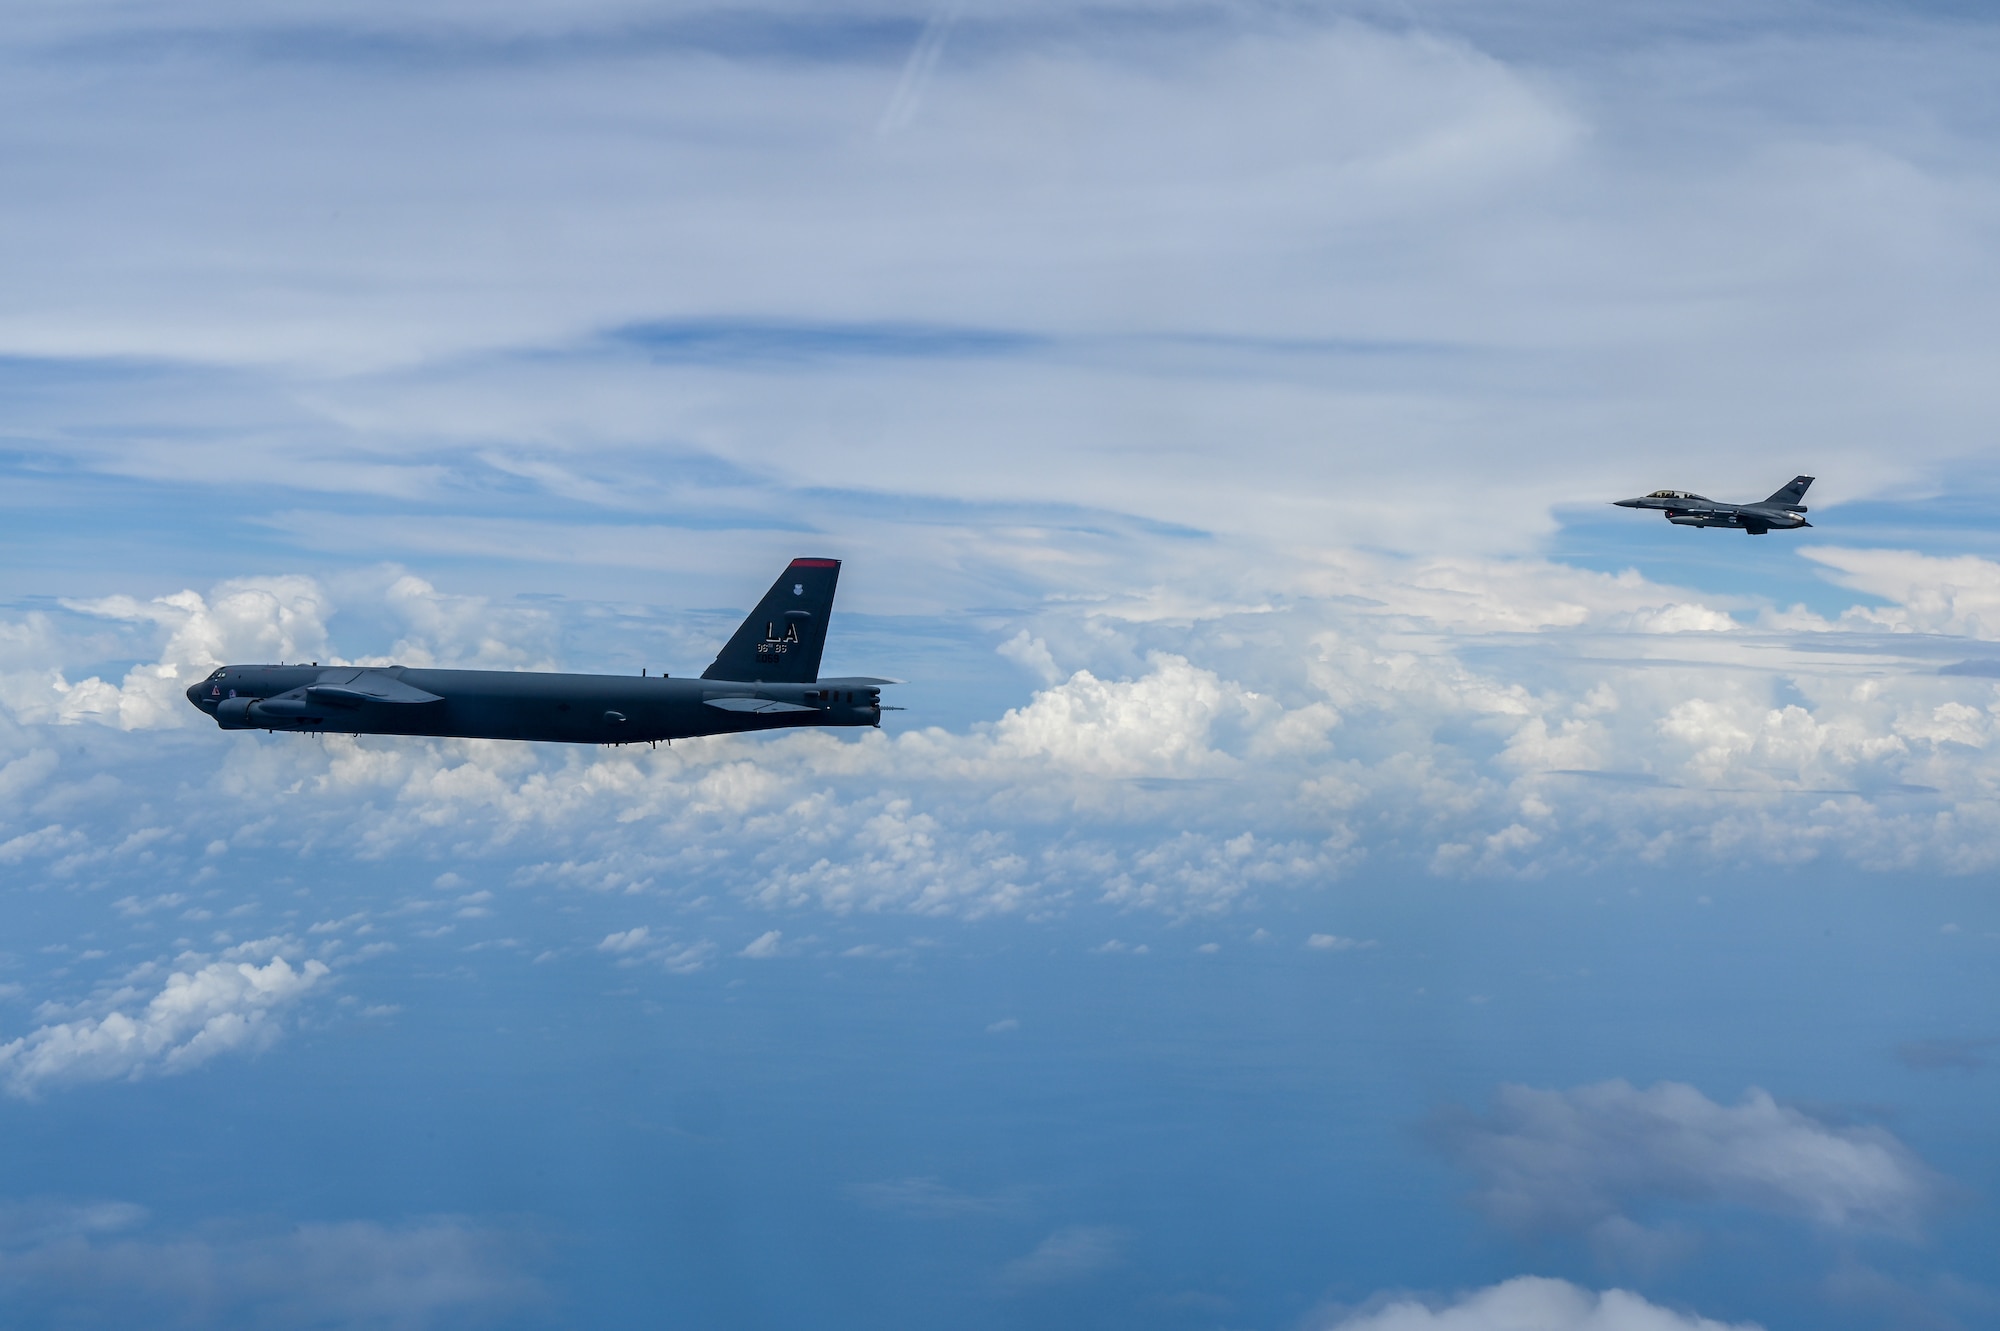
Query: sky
(1334, 872)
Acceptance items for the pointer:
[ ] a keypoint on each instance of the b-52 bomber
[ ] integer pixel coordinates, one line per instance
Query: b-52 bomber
(765, 678)
(1781, 512)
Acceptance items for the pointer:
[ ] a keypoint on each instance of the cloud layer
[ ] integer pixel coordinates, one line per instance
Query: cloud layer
(1473, 717)
(101, 1265)
(1253, 270)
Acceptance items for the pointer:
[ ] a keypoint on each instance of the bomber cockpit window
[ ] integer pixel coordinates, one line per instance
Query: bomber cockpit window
(220, 671)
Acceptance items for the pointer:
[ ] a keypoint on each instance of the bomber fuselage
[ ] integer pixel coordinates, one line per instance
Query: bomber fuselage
(520, 705)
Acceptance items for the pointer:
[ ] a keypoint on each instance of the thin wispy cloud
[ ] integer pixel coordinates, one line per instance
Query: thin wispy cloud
(919, 68)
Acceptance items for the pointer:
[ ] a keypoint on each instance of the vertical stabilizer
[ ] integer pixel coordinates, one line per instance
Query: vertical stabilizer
(1791, 495)
(782, 640)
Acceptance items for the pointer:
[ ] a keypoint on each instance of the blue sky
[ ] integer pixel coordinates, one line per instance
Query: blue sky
(1334, 871)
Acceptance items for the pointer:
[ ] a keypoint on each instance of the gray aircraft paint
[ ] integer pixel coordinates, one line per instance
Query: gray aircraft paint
(1781, 512)
(765, 678)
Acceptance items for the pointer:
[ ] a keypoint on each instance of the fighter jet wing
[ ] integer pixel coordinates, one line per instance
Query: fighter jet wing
(754, 705)
(368, 686)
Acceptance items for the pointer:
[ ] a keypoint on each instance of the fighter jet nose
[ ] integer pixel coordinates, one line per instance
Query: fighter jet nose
(1626, 503)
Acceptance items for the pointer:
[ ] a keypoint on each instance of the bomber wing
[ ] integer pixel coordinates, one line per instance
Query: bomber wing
(366, 686)
(740, 704)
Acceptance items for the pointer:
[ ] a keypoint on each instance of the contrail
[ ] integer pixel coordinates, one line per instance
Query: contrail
(917, 69)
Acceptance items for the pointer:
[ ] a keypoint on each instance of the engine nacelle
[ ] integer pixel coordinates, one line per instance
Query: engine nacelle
(261, 713)
(234, 713)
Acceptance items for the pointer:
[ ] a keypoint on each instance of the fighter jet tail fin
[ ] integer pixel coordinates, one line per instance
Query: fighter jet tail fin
(1790, 495)
(781, 641)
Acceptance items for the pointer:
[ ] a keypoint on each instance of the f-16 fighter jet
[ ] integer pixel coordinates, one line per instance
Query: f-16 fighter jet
(766, 677)
(1781, 511)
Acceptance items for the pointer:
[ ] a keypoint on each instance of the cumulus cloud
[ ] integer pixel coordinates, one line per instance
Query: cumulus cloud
(1271, 750)
(1529, 1303)
(1957, 594)
(1469, 716)
(102, 1266)
(770, 943)
(202, 1010)
(1578, 1160)
(626, 940)
(642, 945)
(253, 619)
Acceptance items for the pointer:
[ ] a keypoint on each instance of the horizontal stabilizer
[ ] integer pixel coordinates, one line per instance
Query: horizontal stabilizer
(856, 682)
(368, 686)
(762, 705)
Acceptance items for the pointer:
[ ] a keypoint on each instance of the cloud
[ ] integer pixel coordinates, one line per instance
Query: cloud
(764, 946)
(1474, 717)
(1073, 1253)
(1336, 943)
(249, 619)
(1963, 1055)
(1053, 236)
(927, 1198)
(255, 619)
(36, 1221)
(1529, 1302)
(1032, 655)
(1958, 595)
(1577, 1160)
(231, 1005)
(100, 1266)
(641, 944)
